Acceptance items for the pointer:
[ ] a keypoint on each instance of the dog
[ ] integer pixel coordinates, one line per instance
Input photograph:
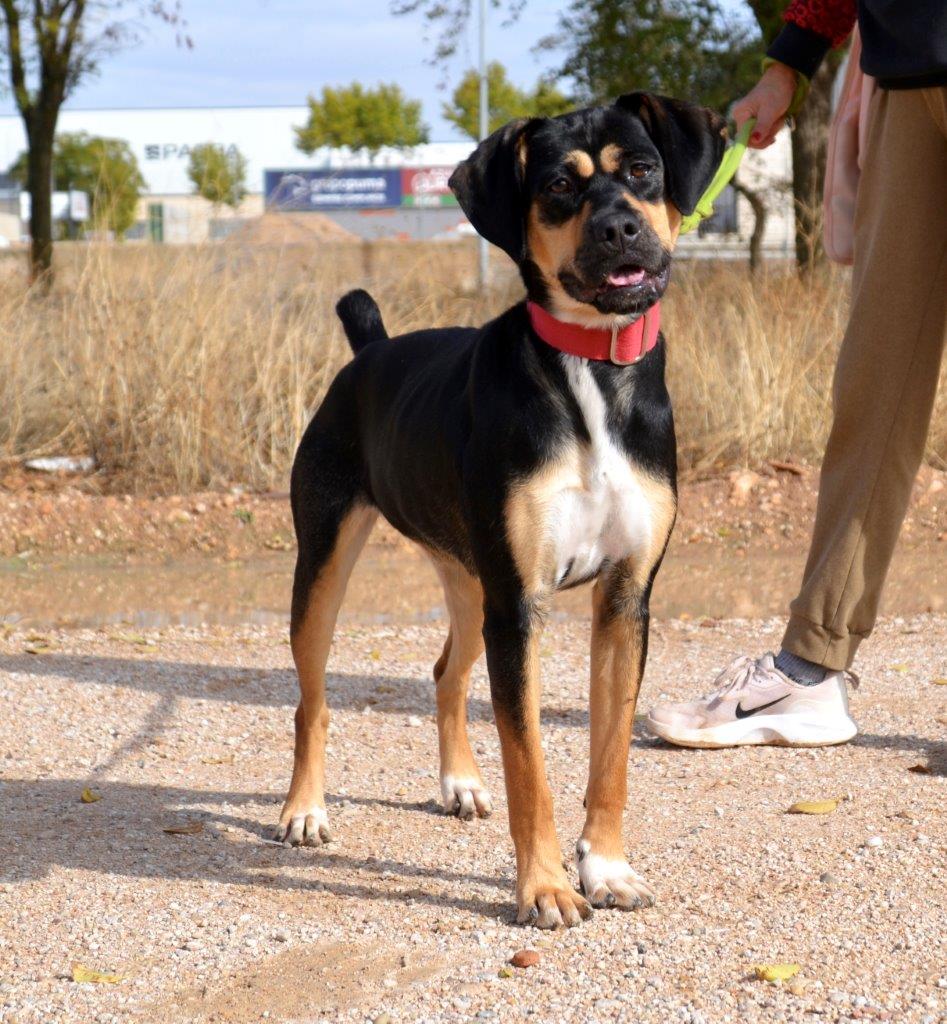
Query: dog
(520, 467)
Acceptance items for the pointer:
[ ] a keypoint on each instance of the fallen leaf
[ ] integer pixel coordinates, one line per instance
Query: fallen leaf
(939, 681)
(133, 638)
(89, 976)
(524, 958)
(223, 759)
(901, 669)
(813, 807)
(775, 972)
(89, 796)
(920, 769)
(787, 467)
(505, 972)
(191, 828)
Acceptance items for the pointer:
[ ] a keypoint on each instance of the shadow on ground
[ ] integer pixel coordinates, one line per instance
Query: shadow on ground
(122, 835)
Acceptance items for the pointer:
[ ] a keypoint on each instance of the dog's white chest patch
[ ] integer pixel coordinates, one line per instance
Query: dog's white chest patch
(604, 515)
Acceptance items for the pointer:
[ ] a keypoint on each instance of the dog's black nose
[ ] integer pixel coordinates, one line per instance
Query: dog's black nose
(616, 231)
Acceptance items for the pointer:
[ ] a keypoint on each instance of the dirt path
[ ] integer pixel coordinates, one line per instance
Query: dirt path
(408, 913)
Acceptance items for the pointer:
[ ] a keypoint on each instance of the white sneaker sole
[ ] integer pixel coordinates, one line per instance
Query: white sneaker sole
(761, 730)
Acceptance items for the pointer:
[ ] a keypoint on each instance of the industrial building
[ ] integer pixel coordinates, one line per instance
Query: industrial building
(396, 193)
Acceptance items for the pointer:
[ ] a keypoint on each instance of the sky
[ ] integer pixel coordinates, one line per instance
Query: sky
(259, 52)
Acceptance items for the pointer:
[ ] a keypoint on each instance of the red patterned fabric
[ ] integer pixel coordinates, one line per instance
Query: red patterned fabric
(833, 19)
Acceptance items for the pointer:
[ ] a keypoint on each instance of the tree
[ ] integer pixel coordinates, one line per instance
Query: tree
(361, 118)
(507, 101)
(687, 48)
(218, 174)
(104, 168)
(50, 46)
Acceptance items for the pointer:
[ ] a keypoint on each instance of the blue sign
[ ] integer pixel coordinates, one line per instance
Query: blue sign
(332, 190)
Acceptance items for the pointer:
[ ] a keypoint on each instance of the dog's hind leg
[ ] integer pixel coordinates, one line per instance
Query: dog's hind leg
(463, 791)
(331, 529)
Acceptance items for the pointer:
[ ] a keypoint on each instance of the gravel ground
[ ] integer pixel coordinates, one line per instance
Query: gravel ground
(407, 915)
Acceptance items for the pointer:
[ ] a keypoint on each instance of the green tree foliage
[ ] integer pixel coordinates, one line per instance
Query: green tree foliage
(686, 48)
(104, 168)
(362, 118)
(218, 174)
(507, 101)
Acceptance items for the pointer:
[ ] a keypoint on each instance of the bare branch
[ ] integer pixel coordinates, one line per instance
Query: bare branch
(17, 65)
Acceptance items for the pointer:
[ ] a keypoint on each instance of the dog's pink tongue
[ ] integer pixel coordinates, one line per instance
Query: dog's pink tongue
(625, 278)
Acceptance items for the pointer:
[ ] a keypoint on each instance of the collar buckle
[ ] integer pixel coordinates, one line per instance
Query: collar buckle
(613, 349)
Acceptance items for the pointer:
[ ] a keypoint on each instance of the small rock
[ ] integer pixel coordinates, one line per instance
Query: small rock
(281, 936)
(524, 958)
(414, 721)
(382, 1018)
(827, 878)
(874, 842)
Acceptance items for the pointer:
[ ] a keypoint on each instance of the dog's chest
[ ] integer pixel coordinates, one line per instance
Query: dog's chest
(601, 513)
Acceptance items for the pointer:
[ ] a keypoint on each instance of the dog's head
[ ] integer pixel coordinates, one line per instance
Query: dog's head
(589, 204)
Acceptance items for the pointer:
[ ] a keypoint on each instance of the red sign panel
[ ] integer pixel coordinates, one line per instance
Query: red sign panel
(426, 186)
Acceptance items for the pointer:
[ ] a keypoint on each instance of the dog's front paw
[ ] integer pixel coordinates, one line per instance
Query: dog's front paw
(611, 882)
(308, 827)
(465, 796)
(551, 905)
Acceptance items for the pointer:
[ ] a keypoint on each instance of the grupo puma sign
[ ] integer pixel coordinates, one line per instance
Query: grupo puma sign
(357, 189)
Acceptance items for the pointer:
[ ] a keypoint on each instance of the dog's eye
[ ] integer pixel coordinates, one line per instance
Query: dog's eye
(559, 186)
(639, 170)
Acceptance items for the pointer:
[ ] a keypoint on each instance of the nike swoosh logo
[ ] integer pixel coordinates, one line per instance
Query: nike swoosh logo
(743, 712)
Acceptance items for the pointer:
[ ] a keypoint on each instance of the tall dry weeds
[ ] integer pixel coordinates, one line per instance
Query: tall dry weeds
(198, 367)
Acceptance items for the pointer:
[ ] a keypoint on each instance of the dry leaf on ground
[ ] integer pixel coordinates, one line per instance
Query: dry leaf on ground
(813, 807)
(89, 976)
(89, 796)
(775, 972)
(223, 759)
(191, 828)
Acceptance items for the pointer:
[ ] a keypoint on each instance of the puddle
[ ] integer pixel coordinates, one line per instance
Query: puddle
(392, 585)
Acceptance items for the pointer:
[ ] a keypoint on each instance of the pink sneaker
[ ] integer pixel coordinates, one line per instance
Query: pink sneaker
(755, 703)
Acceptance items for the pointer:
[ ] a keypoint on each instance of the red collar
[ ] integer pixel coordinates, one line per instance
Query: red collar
(621, 347)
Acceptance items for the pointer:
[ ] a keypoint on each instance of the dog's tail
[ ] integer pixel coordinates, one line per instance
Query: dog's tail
(361, 319)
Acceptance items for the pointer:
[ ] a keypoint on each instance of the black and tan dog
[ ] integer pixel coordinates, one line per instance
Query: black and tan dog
(520, 469)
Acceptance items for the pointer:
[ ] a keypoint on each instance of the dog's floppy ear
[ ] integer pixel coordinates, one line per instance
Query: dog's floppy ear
(690, 139)
(489, 188)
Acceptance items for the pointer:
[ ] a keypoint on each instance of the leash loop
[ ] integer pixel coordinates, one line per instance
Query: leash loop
(725, 172)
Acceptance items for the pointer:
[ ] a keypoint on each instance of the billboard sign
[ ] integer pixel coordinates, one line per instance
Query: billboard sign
(332, 189)
(361, 189)
(426, 186)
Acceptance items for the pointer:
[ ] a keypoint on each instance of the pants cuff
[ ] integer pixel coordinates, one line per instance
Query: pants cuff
(808, 640)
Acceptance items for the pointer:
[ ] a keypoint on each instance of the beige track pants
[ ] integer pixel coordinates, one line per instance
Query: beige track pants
(886, 377)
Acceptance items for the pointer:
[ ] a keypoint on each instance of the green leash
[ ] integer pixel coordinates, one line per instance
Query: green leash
(725, 172)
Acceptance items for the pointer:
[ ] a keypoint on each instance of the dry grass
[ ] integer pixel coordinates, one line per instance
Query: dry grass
(187, 368)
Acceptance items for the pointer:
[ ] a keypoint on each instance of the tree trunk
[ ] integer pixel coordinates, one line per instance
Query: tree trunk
(39, 182)
(759, 222)
(809, 147)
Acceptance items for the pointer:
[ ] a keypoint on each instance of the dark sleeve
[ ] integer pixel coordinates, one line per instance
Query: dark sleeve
(812, 28)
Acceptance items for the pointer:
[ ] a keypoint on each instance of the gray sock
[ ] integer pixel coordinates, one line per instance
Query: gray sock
(806, 673)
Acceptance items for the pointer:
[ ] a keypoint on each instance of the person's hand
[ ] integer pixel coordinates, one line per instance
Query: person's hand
(768, 102)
